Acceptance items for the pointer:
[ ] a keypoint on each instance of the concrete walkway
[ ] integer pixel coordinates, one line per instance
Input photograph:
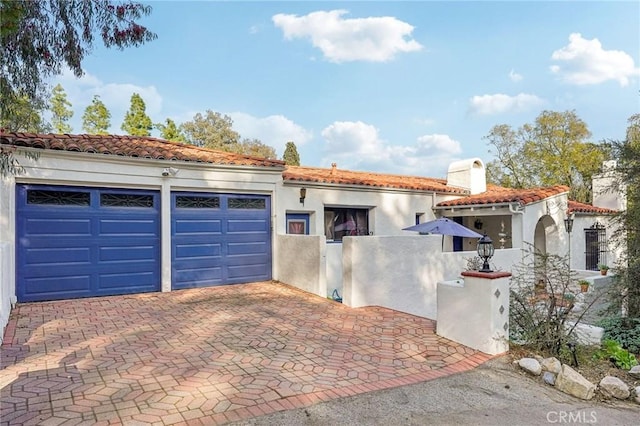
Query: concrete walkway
(208, 356)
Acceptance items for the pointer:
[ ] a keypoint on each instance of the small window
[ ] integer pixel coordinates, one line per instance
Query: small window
(199, 202)
(247, 203)
(339, 223)
(297, 224)
(58, 198)
(125, 200)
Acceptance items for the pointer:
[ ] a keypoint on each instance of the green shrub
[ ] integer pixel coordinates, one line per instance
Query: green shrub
(620, 357)
(625, 331)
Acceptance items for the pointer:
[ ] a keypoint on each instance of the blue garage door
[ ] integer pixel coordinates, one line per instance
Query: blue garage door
(219, 239)
(80, 242)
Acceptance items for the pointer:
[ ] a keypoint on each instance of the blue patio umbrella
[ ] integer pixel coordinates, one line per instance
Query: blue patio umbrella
(443, 226)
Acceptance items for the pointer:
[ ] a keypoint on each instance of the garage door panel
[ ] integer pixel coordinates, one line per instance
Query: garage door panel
(49, 286)
(128, 228)
(236, 235)
(252, 272)
(247, 225)
(59, 256)
(35, 227)
(127, 254)
(247, 248)
(198, 227)
(200, 277)
(133, 282)
(82, 250)
(198, 250)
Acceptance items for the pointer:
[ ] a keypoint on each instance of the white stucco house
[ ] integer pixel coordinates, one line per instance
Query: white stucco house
(105, 215)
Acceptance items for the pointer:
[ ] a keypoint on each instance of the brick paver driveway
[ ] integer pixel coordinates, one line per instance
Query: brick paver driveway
(208, 356)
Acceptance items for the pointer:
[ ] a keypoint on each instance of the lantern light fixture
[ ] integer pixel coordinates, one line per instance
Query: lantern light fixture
(485, 252)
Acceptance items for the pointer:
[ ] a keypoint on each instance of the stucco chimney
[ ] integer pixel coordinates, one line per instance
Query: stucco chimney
(468, 174)
(607, 192)
(334, 166)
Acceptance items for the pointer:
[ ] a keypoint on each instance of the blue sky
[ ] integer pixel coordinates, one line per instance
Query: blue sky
(395, 87)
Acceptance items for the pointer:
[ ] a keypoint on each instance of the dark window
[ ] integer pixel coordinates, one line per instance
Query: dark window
(340, 223)
(192, 202)
(247, 203)
(59, 198)
(595, 246)
(125, 200)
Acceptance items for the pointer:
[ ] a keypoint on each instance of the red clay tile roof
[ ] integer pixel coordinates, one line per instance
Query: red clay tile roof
(379, 180)
(577, 207)
(498, 195)
(133, 146)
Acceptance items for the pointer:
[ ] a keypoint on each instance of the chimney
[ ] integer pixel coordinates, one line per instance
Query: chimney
(468, 174)
(334, 166)
(606, 188)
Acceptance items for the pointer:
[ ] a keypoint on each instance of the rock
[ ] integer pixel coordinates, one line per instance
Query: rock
(635, 372)
(552, 365)
(549, 378)
(530, 365)
(637, 397)
(611, 386)
(571, 382)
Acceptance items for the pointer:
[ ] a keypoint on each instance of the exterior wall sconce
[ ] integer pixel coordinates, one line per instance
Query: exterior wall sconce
(303, 195)
(568, 224)
(485, 252)
(477, 224)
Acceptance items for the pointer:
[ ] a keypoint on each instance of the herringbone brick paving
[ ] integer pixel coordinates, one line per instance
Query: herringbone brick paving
(208, 356)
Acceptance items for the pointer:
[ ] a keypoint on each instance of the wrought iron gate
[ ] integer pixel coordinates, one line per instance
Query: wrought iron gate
(595, 246)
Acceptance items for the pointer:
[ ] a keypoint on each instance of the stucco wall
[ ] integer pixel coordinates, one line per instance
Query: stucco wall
(390, 209)
(475, 312)
(578, 240)
(402, 272)
(334, 268)
(301, 262)
(7, 253)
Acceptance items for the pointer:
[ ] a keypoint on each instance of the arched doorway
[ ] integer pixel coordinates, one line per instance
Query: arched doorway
(545, 238)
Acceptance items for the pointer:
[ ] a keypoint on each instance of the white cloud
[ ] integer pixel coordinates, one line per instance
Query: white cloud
(274, 130)
(358, 146)
(375, 39)
(499, 103)
(514, 76)
(586, 62)
(438, 143)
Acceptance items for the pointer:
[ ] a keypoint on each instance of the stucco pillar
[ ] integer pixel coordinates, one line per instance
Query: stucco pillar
(475, 312)
(165, 235)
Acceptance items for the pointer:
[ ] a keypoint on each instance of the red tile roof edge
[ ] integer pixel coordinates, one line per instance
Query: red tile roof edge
(144, 147)
(578, 207)
(500, 195)
(369, 179)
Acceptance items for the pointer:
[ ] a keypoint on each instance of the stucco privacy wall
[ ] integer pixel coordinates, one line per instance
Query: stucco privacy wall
(301, 262)
(402, 273)
(81, 169)
(483, 302)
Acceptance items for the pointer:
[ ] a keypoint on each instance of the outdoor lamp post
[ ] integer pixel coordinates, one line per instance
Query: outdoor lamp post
(485, 251)
(568, 226)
